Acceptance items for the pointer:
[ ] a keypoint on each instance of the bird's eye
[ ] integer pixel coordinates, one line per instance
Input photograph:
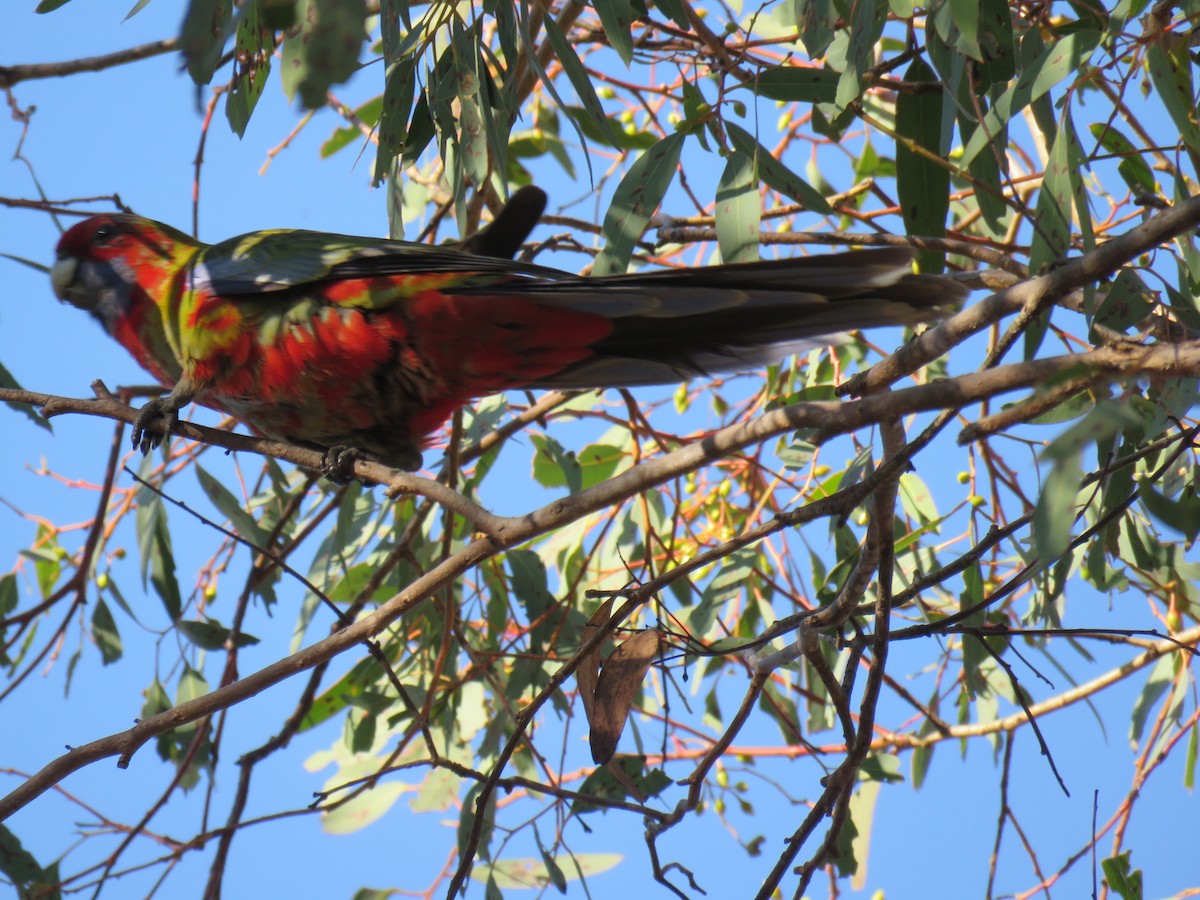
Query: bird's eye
(104, 234)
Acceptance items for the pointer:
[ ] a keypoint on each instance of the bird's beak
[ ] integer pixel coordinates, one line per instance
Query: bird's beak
(62, 276)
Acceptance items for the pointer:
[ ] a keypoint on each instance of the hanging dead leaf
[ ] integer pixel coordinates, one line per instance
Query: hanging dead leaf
(620, 677)
(588, 670)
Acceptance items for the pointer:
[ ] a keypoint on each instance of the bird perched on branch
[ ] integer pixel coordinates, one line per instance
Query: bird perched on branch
(337, 342)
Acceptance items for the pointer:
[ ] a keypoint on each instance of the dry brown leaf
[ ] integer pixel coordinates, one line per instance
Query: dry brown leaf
(588, 670)
(620, 677)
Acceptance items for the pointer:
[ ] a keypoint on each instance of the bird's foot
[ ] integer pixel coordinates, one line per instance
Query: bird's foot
(337, 463)
(157, 409)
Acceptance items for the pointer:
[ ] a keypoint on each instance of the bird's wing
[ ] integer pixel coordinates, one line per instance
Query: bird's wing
(281, 260)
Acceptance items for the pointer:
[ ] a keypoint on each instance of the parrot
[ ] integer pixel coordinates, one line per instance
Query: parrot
(365, 346)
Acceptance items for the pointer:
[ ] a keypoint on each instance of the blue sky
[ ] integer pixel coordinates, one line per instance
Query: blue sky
(134, 131)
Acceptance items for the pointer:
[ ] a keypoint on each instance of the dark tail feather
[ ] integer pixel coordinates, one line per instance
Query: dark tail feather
(512, 225)
(671, 324)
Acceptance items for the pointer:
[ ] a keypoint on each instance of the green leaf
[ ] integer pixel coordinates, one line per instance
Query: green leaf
(635, 201)
(965, 14)
(1133, 169)
(677, 11)
(580, 80)
(1182, 513)
(883, 767)
(818, 19)
(324, 52)
(552, 868)
(866, 27)
(996, 43)
(617, 18)
(1121, 878)
(207, 25)
(530, 584)
(466, 822)
(1054, 515)
(255, 44)
(8, 594)
(517, 874)
(1170, 63)
(154, 546)
(1161, 677)
(1061, 59)
(922, 185)
(50, 5)
(796, 84)
(554, 466)
(346, 692)
(1189, 763)
(399, 93)
(7, 381)
(243, 523)
(367, 114)
(105, 633)
(916, 497)
(17, 863)
(603, 785)
(156, 700)
(598, 462)
(738, 210)
(364, 809)
(861, 822)
(921, 759)
(846, 858)
(1056, 201)
(974, 653)
(192, 684)
(211, 635)
(775, 174)
(697, 113)
(1126, 304)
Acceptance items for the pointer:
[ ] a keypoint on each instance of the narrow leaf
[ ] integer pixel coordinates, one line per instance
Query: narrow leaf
(796, 84)
(635, 201)
(212, 635)
(7, 381)
(255, 46)
(324, 52)
(922, 184)
(1060, 59)
(738, 210)
(206, 27)
(775, 174)
(617, 18)
(1171, 66)
(105, 633)
(243, 523)
(1056, 201)
(1054, 515)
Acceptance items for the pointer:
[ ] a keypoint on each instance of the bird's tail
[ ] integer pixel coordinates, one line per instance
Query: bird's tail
(673, 323)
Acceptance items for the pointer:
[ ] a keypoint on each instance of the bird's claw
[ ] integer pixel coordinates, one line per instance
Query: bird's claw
(157, 409)
(337, 464)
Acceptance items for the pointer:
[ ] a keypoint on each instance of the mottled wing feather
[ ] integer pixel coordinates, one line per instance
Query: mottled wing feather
(281, 260)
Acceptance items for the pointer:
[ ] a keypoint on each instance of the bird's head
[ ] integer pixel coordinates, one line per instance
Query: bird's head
(102, 262)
